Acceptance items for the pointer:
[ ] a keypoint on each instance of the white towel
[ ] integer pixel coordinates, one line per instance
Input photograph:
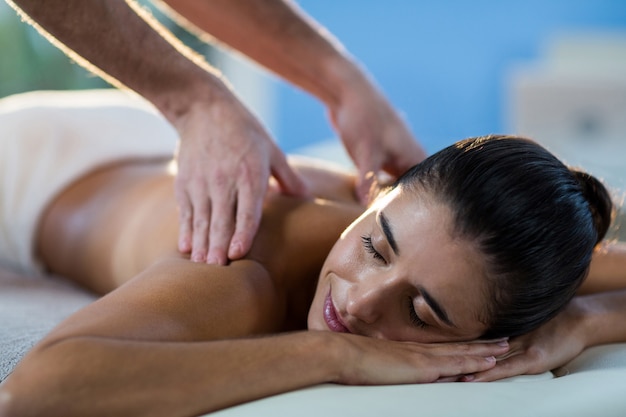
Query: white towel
(49, 139)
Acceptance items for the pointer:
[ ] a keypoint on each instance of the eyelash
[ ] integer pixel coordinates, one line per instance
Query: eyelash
(415, 319)
(369, 246)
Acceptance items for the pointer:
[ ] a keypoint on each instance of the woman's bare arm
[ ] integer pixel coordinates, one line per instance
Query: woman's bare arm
(602, 312)
(155, 337)
(587, 321)
(608, 269)
(170, 343)
(599, 317)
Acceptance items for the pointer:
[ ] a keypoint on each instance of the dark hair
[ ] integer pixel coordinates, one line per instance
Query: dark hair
(536, 221)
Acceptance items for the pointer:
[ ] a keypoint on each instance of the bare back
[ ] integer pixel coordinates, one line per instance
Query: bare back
(117, 221)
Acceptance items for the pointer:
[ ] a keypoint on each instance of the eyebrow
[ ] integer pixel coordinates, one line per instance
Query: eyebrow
(435, 306)
(384, 224)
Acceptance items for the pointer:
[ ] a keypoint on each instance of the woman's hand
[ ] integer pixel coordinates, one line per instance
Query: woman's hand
(552, 345)
(368, 361)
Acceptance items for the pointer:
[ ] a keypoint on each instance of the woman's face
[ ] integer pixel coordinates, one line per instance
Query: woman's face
(397, 273)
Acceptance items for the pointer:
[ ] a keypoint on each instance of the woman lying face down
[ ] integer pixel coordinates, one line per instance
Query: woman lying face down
(488, 238)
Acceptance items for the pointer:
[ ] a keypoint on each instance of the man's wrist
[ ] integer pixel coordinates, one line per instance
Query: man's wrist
(179, 101)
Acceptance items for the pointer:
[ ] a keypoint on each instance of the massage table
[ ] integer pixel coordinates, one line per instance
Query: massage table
(594, 384)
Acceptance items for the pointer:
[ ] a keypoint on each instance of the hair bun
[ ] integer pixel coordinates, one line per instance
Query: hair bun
(599, 201)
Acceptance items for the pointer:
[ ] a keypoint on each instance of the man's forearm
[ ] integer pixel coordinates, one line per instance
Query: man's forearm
(110, 38)
(279, 36)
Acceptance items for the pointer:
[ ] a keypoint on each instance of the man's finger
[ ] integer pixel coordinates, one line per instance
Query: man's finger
(185, 216)
(290, 183)
(222, 224)
(365, 182)
(201, 217)
(248, 218)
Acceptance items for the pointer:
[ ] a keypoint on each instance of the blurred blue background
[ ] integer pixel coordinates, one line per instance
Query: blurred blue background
(444, 64)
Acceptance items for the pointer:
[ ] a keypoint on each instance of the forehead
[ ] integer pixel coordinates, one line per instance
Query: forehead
(432, 256)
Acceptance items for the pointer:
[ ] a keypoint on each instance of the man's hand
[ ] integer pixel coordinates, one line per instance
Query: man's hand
(375, 136)
(225, 158)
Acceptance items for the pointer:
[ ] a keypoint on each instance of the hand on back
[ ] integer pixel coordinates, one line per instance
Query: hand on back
(225, 158)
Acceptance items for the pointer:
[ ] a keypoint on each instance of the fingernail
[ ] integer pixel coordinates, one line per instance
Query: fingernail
(490, 359)
(468, 378)
(211, 260)
(503, 343)
(235, 250)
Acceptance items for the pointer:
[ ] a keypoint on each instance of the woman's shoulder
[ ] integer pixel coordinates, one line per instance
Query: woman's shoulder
(296, 234)
(191, 301)
(324, 179)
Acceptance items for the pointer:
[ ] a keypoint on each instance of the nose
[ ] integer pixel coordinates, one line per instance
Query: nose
(368, 298)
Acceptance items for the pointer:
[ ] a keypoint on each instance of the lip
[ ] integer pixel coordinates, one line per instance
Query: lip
(332, 319)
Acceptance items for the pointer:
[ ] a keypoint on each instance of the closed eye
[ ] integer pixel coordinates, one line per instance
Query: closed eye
(415, 319)
(369, 247)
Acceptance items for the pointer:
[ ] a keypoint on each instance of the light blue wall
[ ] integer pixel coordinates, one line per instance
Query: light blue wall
(442, 62)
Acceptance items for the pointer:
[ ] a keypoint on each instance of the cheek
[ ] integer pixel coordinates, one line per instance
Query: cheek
(345, 259)
(338, 266)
